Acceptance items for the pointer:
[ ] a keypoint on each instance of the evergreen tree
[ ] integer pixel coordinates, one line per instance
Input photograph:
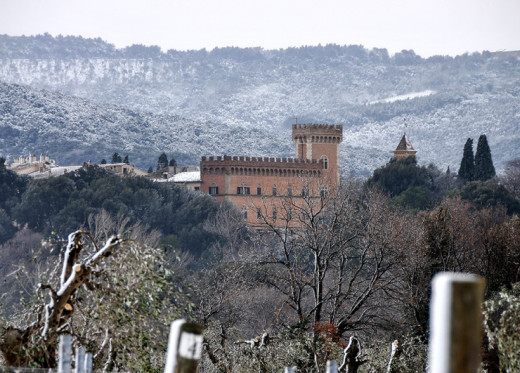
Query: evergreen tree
(150, 169)
(116, 158)
(162, 161)
(484, 169)
(126, 160)
(103, 161)
(173, 162)
(467, 164)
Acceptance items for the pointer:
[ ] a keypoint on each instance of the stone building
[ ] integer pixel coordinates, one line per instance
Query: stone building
(260, 185)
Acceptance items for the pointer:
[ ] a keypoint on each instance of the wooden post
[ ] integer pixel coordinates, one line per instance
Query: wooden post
(455, 323)
(332, 366)
(184, 347)
(65, 354)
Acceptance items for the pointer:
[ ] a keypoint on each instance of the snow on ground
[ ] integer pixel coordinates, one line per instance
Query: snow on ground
(407, 96)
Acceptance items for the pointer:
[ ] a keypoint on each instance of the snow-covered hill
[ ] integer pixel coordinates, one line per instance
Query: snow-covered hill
(74, 130)
(442, 100)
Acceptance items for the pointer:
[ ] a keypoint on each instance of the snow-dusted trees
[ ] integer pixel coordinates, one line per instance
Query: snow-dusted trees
(113, 298)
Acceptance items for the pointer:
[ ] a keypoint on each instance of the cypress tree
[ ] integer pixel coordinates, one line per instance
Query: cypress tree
(484, 169)
(162, 161)
(467, 164)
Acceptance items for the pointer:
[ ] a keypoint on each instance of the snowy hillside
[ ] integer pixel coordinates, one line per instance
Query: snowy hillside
(443, 100)
(74, 130)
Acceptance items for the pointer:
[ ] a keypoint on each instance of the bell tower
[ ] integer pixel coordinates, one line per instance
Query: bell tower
(319, 142)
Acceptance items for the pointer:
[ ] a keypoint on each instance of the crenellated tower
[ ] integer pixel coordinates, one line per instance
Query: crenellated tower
(320, 142)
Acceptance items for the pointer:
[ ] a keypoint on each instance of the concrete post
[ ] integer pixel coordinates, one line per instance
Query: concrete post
(184, 347)
(332, 366)
(80, 360)
(455, 323)
(65, 354)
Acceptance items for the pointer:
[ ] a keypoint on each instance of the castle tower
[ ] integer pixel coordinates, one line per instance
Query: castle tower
(320, 142)
(404, 149)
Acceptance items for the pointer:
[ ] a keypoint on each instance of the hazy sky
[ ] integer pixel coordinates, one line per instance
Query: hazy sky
(427, 26)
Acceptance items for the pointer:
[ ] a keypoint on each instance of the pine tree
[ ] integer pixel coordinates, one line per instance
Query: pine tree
(467, 164)
(162, 161)
(126, 160)
(116, 158)
(484, 169)
(103, 161)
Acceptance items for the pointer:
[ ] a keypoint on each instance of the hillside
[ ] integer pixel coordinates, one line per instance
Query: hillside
(443, 100)
(73, 130)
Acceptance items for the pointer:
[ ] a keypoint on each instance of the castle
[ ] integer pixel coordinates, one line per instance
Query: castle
(259, 185)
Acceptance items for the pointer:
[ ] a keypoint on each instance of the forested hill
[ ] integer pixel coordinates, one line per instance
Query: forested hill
(74, 130)
(443, 100)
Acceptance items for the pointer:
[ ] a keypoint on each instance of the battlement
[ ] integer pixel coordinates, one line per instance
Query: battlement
(329, 133)
(229, 161)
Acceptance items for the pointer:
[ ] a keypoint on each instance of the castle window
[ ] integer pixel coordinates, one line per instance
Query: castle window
(259, 213)
(275, 214)
(324, 192)
(289, 214)
(213, 189)
(305, 191)
(275, 191)
(243, 190)
(325, 162)
(259, 190)
(289, 191)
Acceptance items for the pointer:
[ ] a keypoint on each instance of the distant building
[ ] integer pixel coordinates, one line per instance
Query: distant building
(123, 169)
(45, 167)
(404, 148)
(189, 179)
(31, 165)
(258, 185)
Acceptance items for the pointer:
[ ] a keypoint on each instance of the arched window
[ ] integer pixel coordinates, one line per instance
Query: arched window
(325, 162)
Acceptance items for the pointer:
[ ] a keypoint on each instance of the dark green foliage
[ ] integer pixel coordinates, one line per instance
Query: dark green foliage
(125, 160)
(484, 169)
(103, 161)
(150, 170)
(408, 183)
(116, 158)
(484, 195)
(63, 204)
(467, 164)
(12, 188)
(162, 161)
(415, 197)
(7, 229)
(398, 175)
(173, 162)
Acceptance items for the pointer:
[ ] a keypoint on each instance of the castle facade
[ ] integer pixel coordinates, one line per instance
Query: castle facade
(259, 186)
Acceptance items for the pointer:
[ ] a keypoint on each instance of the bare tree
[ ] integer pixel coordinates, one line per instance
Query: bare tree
(331, 258)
